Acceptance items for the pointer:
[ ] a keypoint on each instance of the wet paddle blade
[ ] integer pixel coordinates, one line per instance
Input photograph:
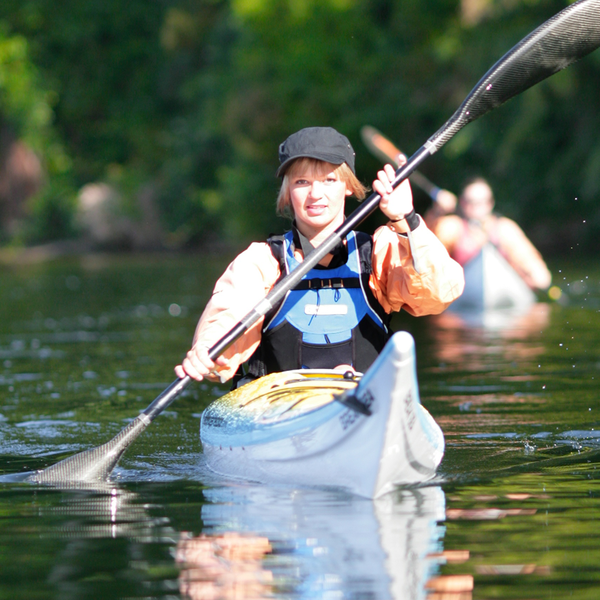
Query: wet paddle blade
(93, 465)
(97, 464)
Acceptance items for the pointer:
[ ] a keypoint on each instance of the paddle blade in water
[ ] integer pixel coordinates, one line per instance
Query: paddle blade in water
(97, 464)
(559, 42)
(92, 465)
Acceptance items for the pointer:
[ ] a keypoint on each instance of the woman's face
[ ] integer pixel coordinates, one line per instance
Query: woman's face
(318, 198)
(477, 201)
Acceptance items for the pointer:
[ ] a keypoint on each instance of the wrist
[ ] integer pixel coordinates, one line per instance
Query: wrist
(409, 222)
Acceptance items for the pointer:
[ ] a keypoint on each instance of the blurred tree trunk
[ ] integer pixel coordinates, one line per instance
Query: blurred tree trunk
(21, 176)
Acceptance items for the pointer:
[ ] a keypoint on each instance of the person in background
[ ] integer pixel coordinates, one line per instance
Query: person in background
(339, 313)
(465, 233)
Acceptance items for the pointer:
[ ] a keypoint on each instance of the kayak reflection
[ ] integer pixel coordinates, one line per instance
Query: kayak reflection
(260, 542)
(252, 541)
(455, 331)
(525, 319)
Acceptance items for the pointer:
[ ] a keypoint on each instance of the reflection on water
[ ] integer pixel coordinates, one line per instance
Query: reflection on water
(329, 544)
(506, 322)
(513, 513)
(461, 335)
(226, 566)
(253, 542)
(516, 536)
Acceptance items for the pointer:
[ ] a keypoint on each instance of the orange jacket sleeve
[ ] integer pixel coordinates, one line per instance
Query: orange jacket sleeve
(414, 272)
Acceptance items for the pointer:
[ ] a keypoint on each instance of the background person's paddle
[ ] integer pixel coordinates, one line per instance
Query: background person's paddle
(386, 151)
(556, 44)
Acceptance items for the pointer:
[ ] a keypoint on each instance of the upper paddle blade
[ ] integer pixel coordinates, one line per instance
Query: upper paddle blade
(553, 46)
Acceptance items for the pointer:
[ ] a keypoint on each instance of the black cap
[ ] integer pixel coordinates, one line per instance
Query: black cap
(322, 143)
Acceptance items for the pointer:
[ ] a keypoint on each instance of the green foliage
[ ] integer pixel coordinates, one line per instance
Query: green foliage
(196, 95)
(52, 212)
(21, 98)
(29, 108)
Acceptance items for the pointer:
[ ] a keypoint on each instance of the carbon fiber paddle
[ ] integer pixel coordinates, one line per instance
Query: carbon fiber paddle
(565, 38)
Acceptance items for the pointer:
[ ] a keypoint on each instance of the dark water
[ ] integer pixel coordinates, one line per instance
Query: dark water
(514, 513)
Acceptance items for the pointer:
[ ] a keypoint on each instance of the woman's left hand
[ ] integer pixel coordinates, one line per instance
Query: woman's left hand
(395, 203)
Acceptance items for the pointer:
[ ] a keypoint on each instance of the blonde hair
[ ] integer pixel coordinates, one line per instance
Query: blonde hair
(315, 168)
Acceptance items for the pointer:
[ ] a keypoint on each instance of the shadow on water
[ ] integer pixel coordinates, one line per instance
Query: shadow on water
(512, 513)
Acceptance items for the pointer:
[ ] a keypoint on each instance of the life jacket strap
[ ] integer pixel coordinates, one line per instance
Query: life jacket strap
(330, 283)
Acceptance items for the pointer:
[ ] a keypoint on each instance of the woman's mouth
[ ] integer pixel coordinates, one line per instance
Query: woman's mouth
(316, 209)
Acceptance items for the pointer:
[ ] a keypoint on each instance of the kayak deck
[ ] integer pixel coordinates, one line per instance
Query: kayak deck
(281, 396)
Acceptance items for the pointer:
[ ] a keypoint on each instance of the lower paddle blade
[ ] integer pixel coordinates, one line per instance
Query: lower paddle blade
(92, 465)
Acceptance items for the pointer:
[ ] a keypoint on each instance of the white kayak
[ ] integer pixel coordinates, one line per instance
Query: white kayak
(491, 283)
(293, 428)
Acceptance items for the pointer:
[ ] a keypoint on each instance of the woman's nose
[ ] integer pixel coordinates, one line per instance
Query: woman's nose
(316, 189)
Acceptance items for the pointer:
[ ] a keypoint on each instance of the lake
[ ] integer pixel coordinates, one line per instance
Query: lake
(88, 342)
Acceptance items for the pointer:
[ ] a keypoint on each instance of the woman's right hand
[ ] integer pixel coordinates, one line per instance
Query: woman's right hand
(198, 365)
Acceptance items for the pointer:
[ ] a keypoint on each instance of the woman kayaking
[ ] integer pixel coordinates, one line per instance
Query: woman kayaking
(476, 224)
(339, 313)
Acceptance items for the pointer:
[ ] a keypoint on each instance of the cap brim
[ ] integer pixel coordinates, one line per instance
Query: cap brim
(334, 160)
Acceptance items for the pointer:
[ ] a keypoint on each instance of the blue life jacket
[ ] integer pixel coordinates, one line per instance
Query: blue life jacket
(330, 318)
